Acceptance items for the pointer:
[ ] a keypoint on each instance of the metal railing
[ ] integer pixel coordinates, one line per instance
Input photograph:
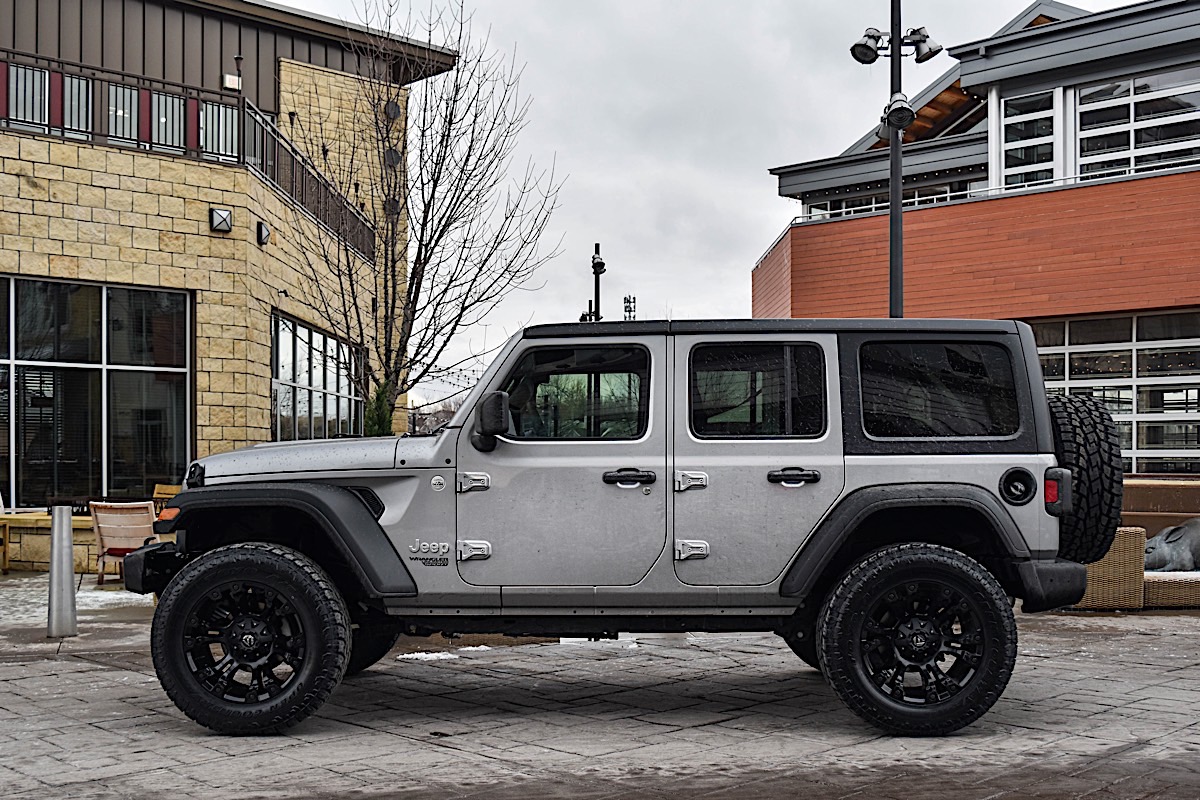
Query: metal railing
(272, 156)
(83, 103)
(876, 207)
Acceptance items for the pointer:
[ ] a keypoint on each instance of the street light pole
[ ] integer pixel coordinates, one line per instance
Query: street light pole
(897, 116)
(896, 184)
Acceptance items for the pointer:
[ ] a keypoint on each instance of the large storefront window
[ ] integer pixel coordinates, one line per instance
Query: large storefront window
(94, 390)
(1145, 369)
(314, 394)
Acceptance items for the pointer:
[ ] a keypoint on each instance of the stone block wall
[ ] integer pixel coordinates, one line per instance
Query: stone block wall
(79, 211)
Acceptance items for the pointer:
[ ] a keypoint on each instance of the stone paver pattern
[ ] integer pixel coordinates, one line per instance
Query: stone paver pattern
(1101, 706)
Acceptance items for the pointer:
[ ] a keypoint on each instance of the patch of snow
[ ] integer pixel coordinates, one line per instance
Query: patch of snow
(474, 647)
(425, 656)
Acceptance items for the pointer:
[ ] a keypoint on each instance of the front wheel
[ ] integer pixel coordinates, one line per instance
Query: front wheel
(250, 638)
(918, 639)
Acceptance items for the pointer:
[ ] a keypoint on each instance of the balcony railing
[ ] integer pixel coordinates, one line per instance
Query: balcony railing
(878, 205)
(82, 103)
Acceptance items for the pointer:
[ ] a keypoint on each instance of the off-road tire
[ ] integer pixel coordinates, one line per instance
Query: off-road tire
(370, 642)
(847, 639)
(301, 589)
(1087, 442)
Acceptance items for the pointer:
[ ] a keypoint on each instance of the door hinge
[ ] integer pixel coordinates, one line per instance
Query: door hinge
(690, 480)
(474, 550)
(473, 482)
(690, 548)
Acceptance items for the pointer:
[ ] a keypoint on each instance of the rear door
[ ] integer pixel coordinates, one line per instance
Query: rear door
(757, 453)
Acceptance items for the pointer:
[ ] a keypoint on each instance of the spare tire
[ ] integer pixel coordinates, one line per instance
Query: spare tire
(1086, 441)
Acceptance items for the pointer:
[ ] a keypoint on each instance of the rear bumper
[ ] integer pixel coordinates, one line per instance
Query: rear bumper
(1051, 584)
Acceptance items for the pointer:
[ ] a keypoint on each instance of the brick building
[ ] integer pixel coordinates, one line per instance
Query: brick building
(1053, 175)
(152, 211)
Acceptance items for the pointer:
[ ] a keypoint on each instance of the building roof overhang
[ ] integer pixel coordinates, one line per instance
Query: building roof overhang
(940, 106)
(1105, 35)
(421, 59)
(947, 154)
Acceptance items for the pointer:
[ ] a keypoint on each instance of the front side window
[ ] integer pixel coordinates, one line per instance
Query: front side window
(597, 392)
(937, 390)
(746, 391)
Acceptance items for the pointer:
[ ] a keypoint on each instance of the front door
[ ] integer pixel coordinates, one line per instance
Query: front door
(758, 453)
(576, 492)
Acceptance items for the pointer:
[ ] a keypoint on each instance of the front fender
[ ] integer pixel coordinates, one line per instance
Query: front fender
(346, 522)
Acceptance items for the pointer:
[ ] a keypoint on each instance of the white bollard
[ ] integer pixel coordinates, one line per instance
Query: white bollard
(62, 620)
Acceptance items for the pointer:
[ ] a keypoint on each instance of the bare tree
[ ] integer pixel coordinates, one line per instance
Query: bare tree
(454, 224)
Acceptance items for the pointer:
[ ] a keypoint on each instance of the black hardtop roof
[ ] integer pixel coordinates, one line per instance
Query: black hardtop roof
(760, 326)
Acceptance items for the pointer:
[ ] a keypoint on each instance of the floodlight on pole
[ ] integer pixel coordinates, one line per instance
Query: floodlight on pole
(897, 116)
(866, 49)
(925, 47)
(899, 113)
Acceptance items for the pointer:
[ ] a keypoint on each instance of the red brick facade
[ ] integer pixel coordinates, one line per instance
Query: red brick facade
(1124, 246)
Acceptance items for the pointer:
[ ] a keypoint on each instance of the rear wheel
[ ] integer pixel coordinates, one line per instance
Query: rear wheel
(250, 638)
(1087, 442)
(918, 639)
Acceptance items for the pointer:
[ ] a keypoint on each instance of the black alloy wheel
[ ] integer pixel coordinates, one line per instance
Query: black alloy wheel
(244, 642)
(918, 639)
(250, 638)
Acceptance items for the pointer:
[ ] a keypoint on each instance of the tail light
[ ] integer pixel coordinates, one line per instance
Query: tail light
(1057, 491)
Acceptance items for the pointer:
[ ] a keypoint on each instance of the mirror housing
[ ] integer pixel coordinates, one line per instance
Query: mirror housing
(492, 418)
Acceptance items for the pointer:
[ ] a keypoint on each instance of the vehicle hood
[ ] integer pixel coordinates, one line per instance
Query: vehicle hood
(323, 455)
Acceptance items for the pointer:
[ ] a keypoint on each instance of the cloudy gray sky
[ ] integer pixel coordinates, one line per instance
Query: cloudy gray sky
(665, 115)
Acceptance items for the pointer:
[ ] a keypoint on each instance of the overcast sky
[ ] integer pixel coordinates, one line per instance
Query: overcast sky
(664, 116)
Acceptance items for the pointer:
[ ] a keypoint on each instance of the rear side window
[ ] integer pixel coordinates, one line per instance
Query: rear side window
(580, 393)
(937, 390)
(764, 391)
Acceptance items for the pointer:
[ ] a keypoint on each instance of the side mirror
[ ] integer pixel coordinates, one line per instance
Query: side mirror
(492, 418)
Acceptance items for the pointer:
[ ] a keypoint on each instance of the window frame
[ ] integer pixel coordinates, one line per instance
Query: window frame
(1133, 152)
(303, 385)
(1015, 178)
(1022, 417)
(786, 345)
(103, 367)
(645, 394)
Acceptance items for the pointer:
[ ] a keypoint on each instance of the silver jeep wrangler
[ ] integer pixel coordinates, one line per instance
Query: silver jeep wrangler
(876, 492)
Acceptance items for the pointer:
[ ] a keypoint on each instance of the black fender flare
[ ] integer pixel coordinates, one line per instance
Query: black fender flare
(345, 519)
(839, 524)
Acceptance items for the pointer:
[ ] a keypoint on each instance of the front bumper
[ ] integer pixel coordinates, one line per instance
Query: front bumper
(150, 568)
(1051, 584)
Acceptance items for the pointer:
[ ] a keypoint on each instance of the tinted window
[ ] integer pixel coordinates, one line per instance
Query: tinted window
(757, 390)
(934, 389)
(580, 393)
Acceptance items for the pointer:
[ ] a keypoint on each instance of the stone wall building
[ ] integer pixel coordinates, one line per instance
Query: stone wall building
(152, 224)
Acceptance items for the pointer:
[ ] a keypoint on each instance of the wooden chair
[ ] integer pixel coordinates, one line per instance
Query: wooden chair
(162, 493)
(120, 529)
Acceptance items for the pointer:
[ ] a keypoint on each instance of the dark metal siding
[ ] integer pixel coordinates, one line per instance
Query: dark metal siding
(164, 39)
(1144, 28)
(967, 150)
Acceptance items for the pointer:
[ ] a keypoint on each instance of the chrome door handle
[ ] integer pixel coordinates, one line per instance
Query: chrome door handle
(793, 477)
(629, 478)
